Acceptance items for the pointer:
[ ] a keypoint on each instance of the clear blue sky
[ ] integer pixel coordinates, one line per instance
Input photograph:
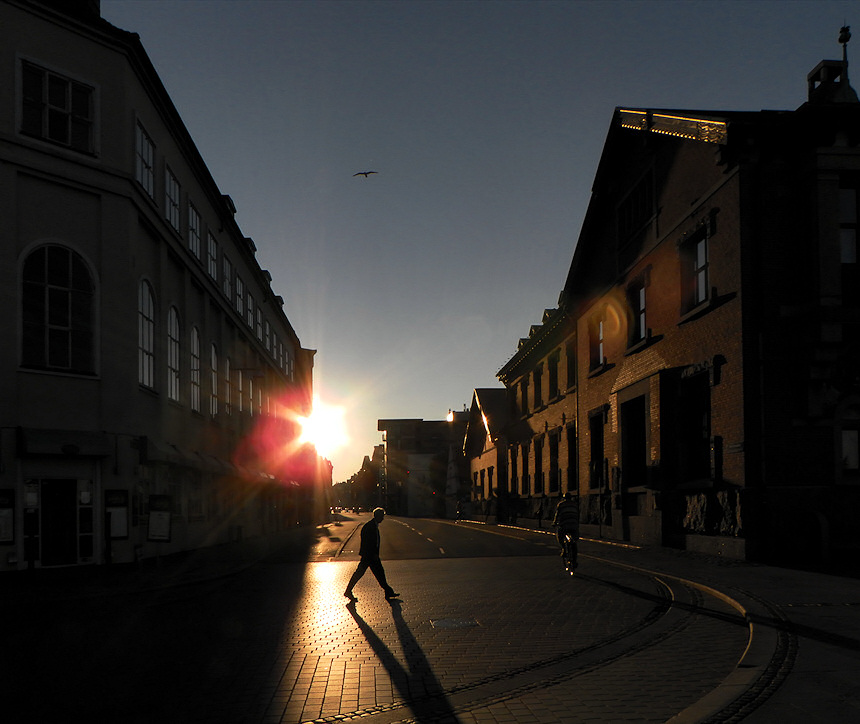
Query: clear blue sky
(485, 122)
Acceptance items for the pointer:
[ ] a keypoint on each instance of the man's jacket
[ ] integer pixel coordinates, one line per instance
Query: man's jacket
(369, 540)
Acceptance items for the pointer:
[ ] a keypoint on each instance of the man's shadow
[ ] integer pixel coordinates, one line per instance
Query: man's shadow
(418, 685)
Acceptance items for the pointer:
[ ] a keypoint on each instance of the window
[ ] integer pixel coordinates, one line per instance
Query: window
(638, 330)
(251, 311)
(227, 281)
(554, 471)
(173, 349)
(524, 396)
(146, 336)
(194, 231)
(537, 375)
(228, 387)
(58, 311)
(56, 108)
(212, 258)
(145, 161)
(195, 369)
(213, 381)
(260, 327)
(552, 370)
(524, 482)
(570, 357)
(240, 390)
(171, 199)
(539, 465)
(695, 270)
(848, 230)
(240, 296)
(267, 336)
(596, 341)
(514, 476)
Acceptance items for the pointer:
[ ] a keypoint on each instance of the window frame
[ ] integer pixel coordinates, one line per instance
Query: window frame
(47, 110)
(174, 352)
(146, 335)
(172, 199)
(144, 154)
(194, 369)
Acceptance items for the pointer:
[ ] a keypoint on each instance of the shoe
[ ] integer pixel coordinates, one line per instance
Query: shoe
(391, 595)
(350, 595)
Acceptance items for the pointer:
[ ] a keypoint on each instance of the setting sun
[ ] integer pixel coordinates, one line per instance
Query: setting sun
(325, 428)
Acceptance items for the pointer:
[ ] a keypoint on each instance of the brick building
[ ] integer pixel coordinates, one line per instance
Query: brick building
(697, 385)
(150, 375)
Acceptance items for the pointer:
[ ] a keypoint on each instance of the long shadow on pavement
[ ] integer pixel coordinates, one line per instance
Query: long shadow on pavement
(418, 686)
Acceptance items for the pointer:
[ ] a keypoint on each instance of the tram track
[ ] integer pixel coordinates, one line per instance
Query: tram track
(676, 605)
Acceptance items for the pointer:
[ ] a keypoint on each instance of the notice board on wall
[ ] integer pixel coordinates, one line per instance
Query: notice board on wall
(159, 518)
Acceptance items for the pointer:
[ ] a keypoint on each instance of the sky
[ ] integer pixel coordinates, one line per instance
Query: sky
(484, 122)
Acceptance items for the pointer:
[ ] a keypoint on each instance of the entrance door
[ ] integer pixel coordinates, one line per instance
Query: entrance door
(59, 525)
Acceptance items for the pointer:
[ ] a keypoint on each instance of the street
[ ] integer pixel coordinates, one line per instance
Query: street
(488, 628)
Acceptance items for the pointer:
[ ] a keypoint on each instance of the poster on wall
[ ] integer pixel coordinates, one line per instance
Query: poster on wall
(7, 516)
(116, 505)
(159, 518)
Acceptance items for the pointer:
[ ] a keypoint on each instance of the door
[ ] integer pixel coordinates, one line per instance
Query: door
(59, 528)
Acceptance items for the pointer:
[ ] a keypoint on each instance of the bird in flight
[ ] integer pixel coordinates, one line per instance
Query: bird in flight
(363, 173)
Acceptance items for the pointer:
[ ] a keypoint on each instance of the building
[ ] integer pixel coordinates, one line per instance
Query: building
(151, 378)
(697, 385)
(423, 465)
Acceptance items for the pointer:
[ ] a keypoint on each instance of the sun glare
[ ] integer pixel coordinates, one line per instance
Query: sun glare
(325, 428)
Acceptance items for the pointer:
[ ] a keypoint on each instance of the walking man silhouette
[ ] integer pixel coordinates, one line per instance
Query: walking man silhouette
(369, 552)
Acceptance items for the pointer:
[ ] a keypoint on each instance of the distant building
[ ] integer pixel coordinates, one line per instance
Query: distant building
(423, 465)
(149, 372)
(698, 384)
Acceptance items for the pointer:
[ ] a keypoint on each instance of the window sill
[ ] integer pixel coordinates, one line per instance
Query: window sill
(642, 344)
(711, 303)
(600, 369)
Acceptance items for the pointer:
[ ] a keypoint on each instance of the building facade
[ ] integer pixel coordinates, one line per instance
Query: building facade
(697, 385)
(150, 376)
(423, 466)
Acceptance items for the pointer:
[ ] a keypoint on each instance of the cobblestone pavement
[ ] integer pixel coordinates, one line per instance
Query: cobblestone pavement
(503, 640)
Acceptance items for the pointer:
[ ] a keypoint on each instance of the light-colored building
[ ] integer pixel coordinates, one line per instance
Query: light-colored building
(150, 376)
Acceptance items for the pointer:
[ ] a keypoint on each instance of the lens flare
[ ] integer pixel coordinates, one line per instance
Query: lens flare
(324, 428)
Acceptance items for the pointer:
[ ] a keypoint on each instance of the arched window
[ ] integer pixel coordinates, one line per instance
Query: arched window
(173, 350)
(195, 369)
(213, 381)
(146, 336)
(58, 309)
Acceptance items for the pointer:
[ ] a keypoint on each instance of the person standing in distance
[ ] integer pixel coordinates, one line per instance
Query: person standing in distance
(369, 552)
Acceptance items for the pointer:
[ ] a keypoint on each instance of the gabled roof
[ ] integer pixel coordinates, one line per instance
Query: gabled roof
(489, 414)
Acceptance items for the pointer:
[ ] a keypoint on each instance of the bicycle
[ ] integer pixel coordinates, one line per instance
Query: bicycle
(569, 552)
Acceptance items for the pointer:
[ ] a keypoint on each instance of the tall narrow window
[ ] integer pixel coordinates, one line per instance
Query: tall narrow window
(146, 336)
(848, 247)
(596, 341)
(638, 330)
(173, 352)
(537, 376)
(58, 300)
(240, 296)
(56, 108)
(252, 309)
(552, 374)
(570, 357)
(194, 376)
(144, 170)
(240, 391)
(212, 258)
(695, 269)
(193, 231)
(227, 281)
(213, 381)
(260, 326)
(228, 387)
(171, 199)
(524, 396)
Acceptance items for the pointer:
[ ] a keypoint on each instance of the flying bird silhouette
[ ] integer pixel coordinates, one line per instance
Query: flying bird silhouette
(363, 173)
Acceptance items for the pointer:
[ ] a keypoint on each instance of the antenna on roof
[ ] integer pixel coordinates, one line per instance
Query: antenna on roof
(844, 37)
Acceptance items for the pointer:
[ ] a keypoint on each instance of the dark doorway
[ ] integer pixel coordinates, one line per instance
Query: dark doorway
(59, 529)
(634, 442)
(694, 428)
